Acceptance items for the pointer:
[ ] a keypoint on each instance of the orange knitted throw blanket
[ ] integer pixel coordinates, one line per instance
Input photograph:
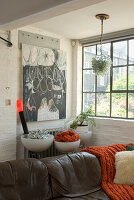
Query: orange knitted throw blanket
(107, 159)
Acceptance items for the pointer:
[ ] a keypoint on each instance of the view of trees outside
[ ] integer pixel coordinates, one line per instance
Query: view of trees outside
(97, 90)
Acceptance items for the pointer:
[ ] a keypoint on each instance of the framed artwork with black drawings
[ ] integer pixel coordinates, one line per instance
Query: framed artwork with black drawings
(44, 83)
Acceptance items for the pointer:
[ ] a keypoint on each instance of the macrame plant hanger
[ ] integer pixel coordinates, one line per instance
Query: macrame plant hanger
(102, 17)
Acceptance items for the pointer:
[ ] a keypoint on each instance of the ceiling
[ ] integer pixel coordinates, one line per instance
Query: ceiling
(18, 13)
(22, 8)
(82, 23)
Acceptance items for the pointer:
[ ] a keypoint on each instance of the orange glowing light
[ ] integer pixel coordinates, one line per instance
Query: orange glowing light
(19, 105)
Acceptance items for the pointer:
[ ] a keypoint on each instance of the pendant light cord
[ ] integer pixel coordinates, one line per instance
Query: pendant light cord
(101, 34)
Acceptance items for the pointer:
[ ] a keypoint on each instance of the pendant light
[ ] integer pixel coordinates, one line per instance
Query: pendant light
(101, 63)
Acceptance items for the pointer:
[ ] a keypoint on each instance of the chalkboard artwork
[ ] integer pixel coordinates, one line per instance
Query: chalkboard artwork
(44, 83)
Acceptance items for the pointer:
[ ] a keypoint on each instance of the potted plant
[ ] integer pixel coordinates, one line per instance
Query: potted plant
(82, 124)
(82, 118)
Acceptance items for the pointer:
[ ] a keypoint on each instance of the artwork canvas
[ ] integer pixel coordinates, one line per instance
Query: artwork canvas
(44, 83)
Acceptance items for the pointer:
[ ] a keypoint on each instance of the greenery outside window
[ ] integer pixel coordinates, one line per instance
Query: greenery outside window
(111, 95)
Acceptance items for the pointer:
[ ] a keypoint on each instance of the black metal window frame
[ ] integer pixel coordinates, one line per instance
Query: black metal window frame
(127, 91)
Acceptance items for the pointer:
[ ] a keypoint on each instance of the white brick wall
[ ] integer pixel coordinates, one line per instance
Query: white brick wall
(8, 78)
(112, 131)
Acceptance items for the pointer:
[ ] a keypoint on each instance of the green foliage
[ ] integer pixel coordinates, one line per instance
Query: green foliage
(131, 82)
(119, 99)
(100, 65)
(120, 84)
(83, 117)
(74, 125)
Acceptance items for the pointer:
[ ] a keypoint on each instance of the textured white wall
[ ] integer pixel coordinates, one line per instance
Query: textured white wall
(112, 131)
(8, 78)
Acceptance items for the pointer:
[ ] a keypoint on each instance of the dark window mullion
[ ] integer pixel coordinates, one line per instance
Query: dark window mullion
(87, 69)
(111, 78)
(127, 79)
(95, 95)
(122, 65)
(96, 90)
(100, 92)
(119, 91)
(82, 77)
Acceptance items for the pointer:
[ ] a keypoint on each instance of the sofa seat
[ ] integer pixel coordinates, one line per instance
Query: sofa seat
(98, 195)
(75, 176)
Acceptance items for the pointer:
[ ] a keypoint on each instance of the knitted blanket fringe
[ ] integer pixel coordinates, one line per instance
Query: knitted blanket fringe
(106, 156)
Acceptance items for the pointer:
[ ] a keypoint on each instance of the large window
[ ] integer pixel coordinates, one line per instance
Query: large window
(111, 95)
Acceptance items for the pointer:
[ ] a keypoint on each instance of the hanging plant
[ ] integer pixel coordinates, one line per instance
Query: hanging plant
(101, 64)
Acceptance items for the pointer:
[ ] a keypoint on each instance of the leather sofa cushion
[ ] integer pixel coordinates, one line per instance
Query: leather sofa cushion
(98, 195)
(74, 175)
(24, 180)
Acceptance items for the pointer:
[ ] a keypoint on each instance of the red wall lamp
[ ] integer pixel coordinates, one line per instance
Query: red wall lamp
(21, 113)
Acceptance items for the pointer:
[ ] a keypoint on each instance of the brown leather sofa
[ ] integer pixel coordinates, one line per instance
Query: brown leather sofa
(67, 177)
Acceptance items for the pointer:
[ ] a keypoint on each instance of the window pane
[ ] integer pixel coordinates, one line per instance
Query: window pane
(131, 105)
(119, 78)
(131, 78)
(88, 81)
(105, 49)
(89, 53)
(103, 83)
(120, 53)
(119, 105)
(88, 100)
(131, 51)
(103, 104)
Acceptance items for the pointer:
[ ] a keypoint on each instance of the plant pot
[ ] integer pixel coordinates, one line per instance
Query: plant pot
(85, 138)
(85, 134)
(65, 147)
(81, 129)
(37, 145)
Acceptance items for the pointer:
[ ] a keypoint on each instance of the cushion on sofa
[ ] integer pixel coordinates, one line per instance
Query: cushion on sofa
(24, 180)
(74, 175)
(129, 148)
(124, 164)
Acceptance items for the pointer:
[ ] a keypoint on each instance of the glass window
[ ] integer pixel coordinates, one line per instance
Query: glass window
(119, 53)
(88, 81)
(103, 83)
(111, 95)
(88, 100)
(130, 105)
(119, 105)
(131, 51)
(105, 49)
(89, 53)
(103, 104)
(119, 78)
(131, 77)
